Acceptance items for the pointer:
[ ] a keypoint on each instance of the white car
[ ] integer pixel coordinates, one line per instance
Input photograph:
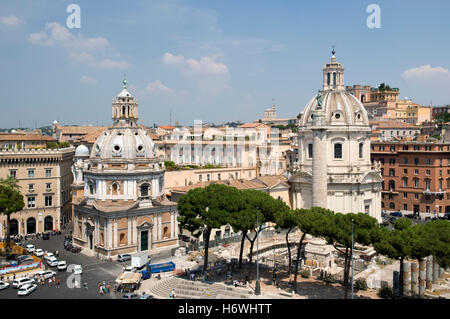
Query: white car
(52, 261)
(46, 274)
(17, 283)
(130, 268)
(29, 248)
(39, 252)
(77, 270)
(26, 289)
(47, 256)
(62, 265)
(4, 285)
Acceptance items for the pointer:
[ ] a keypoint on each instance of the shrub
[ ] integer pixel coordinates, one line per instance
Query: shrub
(329, 279)
(385, 293)
(361, 284)
(305, 273)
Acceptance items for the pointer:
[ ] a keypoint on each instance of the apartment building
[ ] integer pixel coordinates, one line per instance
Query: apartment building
(44, 177)
(416, 175)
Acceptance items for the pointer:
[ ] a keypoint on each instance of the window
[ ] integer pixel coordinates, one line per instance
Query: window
(416, 172)
(361, 148)
(219, 176)
(405, 195)
(48, 172)
(391, 205)
(208, 177)
(392, 161)
(428, 161)
(31, 202)
(381, 147)
(416, 182)
(428, 172)
(338, 150)
(405, 161)
(405, 182)
(391, 172)
(48, 201)
(405, 207)
(31, 172)
(310, 150)
(416, 196)
(391, 185)
(427, 184)
(405, 171)
(144, 190)
(393, 147)
(31, 187)
(200, 177)
(416, 161)
(12, 173)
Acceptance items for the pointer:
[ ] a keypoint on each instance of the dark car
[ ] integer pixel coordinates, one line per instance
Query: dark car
(396, 214)
(46, 236)
(130, 295)
(393, 219)
(145, 296)
(409, 216)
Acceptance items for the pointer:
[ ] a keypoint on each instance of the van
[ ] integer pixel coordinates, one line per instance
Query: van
(17, 283)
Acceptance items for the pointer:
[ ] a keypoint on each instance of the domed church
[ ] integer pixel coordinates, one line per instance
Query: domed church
(333, 169)
(119, 203)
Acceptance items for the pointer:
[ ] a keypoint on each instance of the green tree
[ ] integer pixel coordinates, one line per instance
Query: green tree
(203, 209)
(366, 232)
(396, 244)
(287, 220)
(11, 201)
(436, 236)
(316, 222)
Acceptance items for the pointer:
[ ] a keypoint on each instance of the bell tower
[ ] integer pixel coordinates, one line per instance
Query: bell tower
(333, 74)
(124, 109)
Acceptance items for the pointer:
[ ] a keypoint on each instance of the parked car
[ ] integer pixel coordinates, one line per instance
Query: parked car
(48, 255)
(45, 236)
(123, 257)
(77, 270)
(26, 289)
(130, 295)
(4, 285)
(130, 268)
(145, 274)
(17, 283)
(39, 252)
(396, 214)
(30, 248)
(52, 261)
(409, 215)
(62, 265)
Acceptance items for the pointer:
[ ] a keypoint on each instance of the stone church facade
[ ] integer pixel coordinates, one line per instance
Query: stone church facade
(333, 169)
(119, 201)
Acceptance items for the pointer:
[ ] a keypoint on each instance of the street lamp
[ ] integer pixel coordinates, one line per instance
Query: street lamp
(353, 267)
(258, 284)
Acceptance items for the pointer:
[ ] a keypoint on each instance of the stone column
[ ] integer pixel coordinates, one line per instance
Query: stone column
(422, 277)
(396, 283)
(110, 238)
(159, 227)
(135, 236)
(115, 233)
(172, 225)
(129, 231)
(441, 272)
(155, 228)
(414, 278)
(406, 277)
(319, 168)
(429, 280)
(435, 272)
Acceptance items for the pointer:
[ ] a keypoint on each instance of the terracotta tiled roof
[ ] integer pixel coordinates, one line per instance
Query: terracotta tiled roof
(81, 129)
(271, 180)
(91, 137)
(25, 137)
(252, 125)
(167, 127)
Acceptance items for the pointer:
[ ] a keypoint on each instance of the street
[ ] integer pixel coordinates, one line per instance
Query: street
(94, 270)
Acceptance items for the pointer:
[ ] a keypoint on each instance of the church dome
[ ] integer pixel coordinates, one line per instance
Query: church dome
(81, 151)
(123, 143)
(340, 108)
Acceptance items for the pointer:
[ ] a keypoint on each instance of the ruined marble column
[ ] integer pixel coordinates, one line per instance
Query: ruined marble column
(406, 283)
(414, 279)
(435, 272)
(429, 280)
(422, 277)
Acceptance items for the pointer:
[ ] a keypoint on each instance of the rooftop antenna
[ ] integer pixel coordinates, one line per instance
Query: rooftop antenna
(333, 52)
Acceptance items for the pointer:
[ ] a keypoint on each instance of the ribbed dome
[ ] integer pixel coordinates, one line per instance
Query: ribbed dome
(81, 151)
(123, 143)
(340, 107)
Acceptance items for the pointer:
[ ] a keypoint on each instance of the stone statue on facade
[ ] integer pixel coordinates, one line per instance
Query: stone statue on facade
(319, 100)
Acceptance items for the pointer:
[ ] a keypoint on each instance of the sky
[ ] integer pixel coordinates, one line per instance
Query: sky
(210, 60)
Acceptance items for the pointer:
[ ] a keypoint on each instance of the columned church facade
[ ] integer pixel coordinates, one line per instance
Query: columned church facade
(119, 201)
(333, 169)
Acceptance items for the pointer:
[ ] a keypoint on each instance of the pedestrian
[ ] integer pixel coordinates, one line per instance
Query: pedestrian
(98, 285)
(108, 287)
(85, 286)
(100, 291)
(57, 284)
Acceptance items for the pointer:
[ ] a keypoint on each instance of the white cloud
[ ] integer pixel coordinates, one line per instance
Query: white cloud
(79, 48)
(88, 80)
(425, 72)
(205, 65)
(11, 21)
(157, 87)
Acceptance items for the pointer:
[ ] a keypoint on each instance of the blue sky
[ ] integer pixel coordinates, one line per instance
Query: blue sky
(216, 60)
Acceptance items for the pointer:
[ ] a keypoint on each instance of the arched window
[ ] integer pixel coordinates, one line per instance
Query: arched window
(361, 148)
(392, 205)
(91, 187)
(115, 188)
(165, 232)
(122, 238)
(328, 78)
(362, 98)
(334, 79)
(123, 109)
(338, 150)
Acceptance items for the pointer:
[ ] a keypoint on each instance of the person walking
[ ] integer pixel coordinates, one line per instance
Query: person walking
(85, 286)
(108, 287)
